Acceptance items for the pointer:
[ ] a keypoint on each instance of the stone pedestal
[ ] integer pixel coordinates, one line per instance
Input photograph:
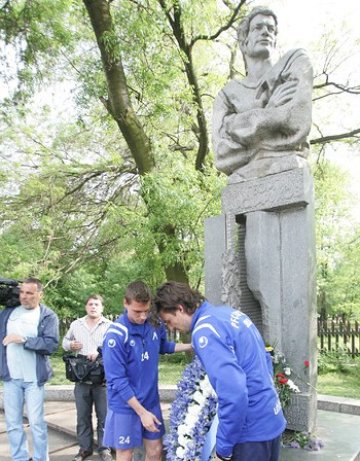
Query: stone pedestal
(260, 258)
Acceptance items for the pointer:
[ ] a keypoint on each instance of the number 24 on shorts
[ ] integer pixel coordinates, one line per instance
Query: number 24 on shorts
(124, 440)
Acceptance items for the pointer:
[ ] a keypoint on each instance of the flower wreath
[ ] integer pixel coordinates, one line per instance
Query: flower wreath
(191, 416)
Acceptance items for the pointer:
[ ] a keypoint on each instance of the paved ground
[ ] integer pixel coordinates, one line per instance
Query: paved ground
(61, 419)
(339, 429)
(63, 446)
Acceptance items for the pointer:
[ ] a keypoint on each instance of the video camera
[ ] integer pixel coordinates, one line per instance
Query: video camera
(9, 292)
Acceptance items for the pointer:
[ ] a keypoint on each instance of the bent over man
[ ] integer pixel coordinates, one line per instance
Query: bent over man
(131, 355)
(233, 354)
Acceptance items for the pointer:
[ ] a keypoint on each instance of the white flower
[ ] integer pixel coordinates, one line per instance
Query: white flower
(191, 419)
(194, 410)
(180, 452)
(293, 386)
(182, 440)
(207, 387)
(287, 371)
(182, 429)
(198, 397)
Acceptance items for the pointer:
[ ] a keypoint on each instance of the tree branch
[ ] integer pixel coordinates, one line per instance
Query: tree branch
(339, 86)
(335, 137)
(232, 19)
(175, 22)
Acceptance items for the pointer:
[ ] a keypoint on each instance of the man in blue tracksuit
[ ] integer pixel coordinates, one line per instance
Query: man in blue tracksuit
(29, 333)
(131, 354)
(233, 354)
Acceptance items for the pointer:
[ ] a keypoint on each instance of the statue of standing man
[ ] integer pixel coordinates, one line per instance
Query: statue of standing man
(261, 123)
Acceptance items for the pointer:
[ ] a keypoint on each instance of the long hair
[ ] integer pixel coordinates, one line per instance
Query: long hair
(171, 294)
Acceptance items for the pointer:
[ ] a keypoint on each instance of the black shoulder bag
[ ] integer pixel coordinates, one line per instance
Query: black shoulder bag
(80, 369)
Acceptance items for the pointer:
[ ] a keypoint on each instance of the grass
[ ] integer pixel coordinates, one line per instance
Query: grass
(339, 384)
(170, 369)
(338, 375)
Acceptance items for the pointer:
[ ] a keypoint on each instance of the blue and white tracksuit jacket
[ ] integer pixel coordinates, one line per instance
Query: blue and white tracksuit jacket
(131, 356)
(233, 354)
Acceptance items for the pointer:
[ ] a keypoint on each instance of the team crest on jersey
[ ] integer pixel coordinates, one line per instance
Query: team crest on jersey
(132, 343)
(155, 336)
(111, 343)
(203, 341)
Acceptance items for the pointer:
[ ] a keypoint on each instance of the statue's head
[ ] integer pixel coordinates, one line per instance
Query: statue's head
(260, 18)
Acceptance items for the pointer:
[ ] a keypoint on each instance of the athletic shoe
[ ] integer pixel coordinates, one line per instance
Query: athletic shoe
(105, 455)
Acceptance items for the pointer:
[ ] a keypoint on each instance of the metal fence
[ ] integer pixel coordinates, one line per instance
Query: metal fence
(338, 334)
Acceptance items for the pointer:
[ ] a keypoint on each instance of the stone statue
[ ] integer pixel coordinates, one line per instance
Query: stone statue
(261, 123)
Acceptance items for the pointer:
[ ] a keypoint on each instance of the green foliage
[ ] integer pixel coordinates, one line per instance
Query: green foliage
(38, 31)
(339, 375)
(74, 210)
(337, 243)
(338, 362)
(305, 440)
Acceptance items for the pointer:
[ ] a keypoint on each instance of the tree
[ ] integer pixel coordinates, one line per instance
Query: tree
(335, 228)
(131, 104)
(128, 175)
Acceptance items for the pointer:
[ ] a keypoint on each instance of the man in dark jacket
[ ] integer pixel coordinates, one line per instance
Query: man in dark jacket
(29, 333)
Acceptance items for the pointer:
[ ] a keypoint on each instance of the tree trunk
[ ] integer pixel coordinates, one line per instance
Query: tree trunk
(120, 108)
(119, 104)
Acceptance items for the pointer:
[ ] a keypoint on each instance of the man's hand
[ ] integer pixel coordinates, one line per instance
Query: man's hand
(92, 357)
(13, 338)
(150, 421)
(75, 345)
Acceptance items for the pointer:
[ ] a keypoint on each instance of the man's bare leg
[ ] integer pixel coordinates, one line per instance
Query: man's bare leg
(124, 455)
(153, 450)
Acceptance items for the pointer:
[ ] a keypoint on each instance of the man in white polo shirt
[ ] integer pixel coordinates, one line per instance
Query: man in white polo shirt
(29, 333)
(84, 337)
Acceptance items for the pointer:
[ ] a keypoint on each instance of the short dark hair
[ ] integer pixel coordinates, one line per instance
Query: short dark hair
(244, 26)
(95, 296)
(170, 294)
(34, 281)
(137, 291)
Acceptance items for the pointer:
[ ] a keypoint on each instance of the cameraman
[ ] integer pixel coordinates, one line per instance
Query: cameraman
(29, 333)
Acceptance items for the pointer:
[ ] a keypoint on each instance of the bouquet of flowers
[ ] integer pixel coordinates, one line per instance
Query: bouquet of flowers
(282, 372)
(191, 415)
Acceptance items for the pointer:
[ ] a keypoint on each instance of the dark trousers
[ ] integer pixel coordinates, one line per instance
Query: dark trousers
(257, 451)
(87, 395)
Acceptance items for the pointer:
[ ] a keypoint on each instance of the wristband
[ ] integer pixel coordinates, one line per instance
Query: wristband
(224, 458)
